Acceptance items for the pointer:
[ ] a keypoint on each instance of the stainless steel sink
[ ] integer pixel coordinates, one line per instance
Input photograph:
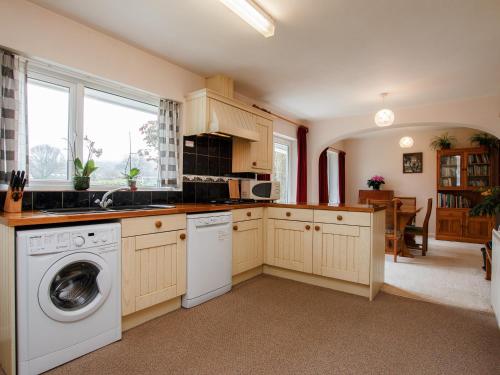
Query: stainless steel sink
(93, 210)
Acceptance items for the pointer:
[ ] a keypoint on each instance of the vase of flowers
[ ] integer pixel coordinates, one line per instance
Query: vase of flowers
(375, 182)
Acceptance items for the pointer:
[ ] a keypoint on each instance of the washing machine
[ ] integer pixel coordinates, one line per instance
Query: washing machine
(68, 293)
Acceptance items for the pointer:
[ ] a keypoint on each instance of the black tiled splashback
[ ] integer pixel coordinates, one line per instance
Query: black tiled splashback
(209, 156)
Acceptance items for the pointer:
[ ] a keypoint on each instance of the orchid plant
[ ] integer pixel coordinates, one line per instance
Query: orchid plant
(375, 182)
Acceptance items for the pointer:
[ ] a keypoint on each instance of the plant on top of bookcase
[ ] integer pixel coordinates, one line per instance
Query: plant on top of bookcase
(486, 140)
(443, 142)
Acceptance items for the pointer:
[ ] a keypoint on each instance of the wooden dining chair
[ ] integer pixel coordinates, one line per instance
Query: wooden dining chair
(421, 231)
(393, 236)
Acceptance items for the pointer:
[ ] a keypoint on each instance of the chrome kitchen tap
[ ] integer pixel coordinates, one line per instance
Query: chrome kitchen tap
(104, 202)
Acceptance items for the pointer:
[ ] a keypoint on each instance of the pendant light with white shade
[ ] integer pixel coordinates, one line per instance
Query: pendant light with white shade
(385, 116)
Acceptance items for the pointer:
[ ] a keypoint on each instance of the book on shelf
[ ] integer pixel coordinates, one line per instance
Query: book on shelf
(482, 158)
(478, 170)
(453, 201)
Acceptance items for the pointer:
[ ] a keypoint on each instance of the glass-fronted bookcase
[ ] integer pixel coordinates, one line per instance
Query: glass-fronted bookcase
(461, 176)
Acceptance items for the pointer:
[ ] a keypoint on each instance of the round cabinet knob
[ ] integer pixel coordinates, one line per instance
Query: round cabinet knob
(288, 214)
(235, 227)
(158, 224)
(249, 214)
(79, 241)
(182, 236)
(317, 228)
(339, 217)
(254, 163)
(308, 227)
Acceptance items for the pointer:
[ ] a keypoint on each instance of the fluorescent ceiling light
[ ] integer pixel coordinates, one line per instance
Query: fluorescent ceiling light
(252, 14)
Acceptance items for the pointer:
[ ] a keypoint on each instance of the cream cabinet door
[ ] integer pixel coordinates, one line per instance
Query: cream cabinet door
(262, 151)
(247, 245)
(342, 252)
(153, 269)
(289, 245)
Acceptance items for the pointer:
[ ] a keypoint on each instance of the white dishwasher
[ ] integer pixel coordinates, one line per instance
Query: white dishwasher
(209, 257)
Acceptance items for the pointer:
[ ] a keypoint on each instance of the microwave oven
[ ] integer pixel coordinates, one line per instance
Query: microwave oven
(260, 190)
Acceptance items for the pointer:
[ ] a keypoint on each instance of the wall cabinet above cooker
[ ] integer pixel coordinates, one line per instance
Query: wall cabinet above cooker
(208, 111)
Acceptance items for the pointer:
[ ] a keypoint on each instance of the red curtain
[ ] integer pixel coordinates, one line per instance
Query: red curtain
(302, 164)
(323, 177)
(342, 177)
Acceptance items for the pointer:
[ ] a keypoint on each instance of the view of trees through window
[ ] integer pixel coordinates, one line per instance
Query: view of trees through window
(48, 108)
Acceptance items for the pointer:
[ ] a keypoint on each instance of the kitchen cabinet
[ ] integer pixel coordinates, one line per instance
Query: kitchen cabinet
(289, 244)
(256, 157)
(153, 264)
(210, 112)
(247, 245)
(342, 252)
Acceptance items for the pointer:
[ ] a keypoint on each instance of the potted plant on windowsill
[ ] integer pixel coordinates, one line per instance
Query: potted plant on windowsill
(489, 206)
(81, 177)
(131, 177)
(133, 173)
(375, 182)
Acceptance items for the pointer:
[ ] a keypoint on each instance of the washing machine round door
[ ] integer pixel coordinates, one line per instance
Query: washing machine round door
(74, 287)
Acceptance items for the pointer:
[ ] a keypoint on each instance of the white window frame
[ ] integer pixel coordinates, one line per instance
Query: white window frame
(292, 163)
(77, 83)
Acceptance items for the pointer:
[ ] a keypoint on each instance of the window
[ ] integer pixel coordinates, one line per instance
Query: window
(66, 108)
(333, 176)
(284, 153)
(131, 125)
(48, 109)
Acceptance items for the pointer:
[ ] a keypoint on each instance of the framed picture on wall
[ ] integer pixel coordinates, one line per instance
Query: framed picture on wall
(413, 162)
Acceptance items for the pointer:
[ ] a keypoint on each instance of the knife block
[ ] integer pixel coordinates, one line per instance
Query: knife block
(10, 204)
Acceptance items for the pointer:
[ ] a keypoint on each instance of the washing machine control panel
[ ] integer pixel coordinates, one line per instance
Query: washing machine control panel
(53, 242)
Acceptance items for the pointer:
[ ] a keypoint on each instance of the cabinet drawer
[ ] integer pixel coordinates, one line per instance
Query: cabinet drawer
(152, 224)
(290, 214)
(342, 217)
(247, 214)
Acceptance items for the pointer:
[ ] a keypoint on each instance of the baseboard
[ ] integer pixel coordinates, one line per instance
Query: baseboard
(325, 282)
(153, 312)
(247, 275)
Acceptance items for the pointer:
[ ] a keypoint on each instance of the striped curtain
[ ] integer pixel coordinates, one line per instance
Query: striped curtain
(13, 132)
(168, 134)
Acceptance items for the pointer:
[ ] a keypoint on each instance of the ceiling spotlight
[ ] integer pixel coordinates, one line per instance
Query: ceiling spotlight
(252, 14)
(384, 117)
(406, 142)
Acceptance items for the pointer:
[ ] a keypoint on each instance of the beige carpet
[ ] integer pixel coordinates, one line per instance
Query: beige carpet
(275, 326)
(451, 274)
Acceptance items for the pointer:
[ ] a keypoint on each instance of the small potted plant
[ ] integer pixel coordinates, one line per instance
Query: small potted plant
(489, 206)
(375, 182)
(131, 177)
(484, 139)
(132, 173)
(443, 142)
(81, 178)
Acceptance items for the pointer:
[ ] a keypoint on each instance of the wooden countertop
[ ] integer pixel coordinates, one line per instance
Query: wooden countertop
(26, 218)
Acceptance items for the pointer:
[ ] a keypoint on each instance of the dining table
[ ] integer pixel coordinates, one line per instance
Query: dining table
(405, 215)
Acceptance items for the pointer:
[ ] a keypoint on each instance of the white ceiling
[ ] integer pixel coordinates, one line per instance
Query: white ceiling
(328, 58)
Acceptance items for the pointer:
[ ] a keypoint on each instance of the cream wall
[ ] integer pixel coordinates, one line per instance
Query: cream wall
(380, 154)
(478, 113)
(38, 32)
